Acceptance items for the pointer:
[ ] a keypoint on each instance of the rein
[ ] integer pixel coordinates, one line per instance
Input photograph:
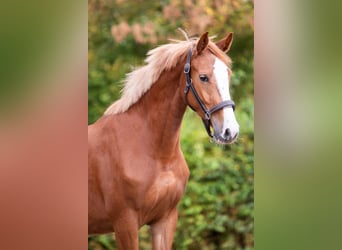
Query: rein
(207, 112)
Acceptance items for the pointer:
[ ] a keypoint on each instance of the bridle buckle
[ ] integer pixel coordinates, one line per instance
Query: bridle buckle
(207, 116)
(187, 68)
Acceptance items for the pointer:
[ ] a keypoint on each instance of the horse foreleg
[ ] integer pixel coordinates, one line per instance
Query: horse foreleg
(163, 231)
(126, 232)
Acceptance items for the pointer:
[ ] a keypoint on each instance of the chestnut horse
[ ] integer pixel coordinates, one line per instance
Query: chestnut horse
(137, 172)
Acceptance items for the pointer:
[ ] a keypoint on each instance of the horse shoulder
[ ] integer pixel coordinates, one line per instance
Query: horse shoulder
(166, 190)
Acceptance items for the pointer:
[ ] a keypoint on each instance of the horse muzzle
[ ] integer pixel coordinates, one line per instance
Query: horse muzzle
(227, 138)
(225, 134)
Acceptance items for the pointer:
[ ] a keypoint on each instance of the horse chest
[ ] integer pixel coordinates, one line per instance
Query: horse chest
(163, 195)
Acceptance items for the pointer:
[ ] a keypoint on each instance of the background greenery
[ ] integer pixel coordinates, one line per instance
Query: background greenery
(217, 210)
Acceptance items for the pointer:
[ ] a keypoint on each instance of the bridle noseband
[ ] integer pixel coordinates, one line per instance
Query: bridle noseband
(207, 112)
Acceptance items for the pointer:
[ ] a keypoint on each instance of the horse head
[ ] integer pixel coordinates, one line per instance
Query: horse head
(206, 89)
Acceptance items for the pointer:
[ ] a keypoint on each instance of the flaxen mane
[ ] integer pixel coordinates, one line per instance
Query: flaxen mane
(158, 60)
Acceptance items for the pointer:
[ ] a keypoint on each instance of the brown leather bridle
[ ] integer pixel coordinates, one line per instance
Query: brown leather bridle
(207, 112)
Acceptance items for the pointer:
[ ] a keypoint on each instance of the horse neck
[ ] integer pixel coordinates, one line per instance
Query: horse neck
(162, 109)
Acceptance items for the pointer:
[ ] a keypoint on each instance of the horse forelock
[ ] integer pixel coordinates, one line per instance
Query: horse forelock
(219, 54)
(159, 59)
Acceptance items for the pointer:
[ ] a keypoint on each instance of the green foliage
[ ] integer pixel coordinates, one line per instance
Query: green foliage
(216, 211)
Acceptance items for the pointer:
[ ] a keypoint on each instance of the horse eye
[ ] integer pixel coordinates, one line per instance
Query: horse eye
(204, 78)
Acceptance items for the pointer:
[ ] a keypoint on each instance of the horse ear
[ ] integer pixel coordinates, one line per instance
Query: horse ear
(202, 42)
(225, 43)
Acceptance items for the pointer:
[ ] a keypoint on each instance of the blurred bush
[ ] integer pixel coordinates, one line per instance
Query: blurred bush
(217, 210)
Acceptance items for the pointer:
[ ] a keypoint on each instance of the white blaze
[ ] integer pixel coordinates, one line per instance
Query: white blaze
(222, 81)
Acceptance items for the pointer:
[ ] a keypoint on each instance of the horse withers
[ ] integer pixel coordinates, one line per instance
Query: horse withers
(137, 172)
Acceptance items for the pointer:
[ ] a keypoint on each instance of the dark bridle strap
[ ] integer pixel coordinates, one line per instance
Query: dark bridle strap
(222, 105)
(189, 85)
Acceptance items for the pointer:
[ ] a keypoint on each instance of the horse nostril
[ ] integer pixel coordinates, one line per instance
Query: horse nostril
(227, 133)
